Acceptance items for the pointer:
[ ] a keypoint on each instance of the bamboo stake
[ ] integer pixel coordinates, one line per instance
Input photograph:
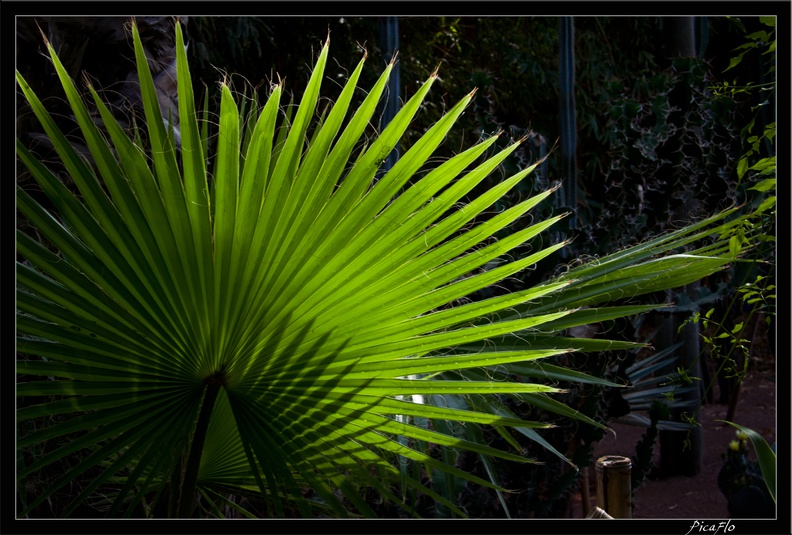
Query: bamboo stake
(585, 498)
(614, 490)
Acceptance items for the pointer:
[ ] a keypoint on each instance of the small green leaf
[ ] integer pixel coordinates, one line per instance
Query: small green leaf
(742, 167)
(764, 185)
(766, 205)
(733, 62)
(761, 35)
(764, 164)
(768, 21)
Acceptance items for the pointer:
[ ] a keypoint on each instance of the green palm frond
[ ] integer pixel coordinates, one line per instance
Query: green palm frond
(265, 323)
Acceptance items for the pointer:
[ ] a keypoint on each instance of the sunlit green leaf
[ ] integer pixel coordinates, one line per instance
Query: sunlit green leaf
(270, 322)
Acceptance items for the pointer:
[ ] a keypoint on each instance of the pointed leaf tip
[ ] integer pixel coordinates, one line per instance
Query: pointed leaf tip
(555, 187)
(43, 36)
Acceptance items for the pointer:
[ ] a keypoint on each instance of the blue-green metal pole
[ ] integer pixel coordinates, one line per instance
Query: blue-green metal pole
(389, 38)
(566, 80)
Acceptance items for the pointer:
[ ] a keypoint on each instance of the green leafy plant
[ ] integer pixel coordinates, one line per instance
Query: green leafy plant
(730, 328)
(271, 323)
(750, 486)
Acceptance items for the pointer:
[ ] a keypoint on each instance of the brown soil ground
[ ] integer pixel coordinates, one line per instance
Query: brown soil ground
(698, 496)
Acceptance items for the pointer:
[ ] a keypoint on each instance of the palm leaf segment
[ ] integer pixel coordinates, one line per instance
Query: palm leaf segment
(267, 333)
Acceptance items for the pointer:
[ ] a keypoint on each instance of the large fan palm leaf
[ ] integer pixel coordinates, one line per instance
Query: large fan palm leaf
(269, 325)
